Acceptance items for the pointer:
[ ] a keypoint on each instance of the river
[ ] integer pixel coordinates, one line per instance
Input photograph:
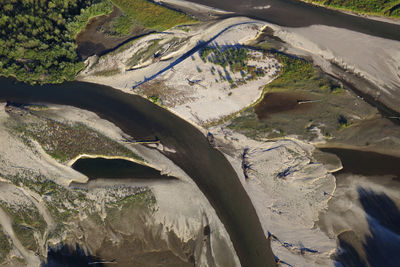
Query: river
(142, 119)
(293, 13)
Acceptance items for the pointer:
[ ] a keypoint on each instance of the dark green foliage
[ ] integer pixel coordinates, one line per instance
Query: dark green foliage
(343, 122)
(35, 43)
(99, 7)
(234, 57)
(155, 99)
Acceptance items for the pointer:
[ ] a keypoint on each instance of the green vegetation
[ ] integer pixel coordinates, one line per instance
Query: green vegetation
(122, 25)
(37, 37)
(64, 141)
(375, 7)
(26, 221)
(103, 7)
(236, 59)
(343, 122)
(299, 74)
(324, 102)
(155, 99)
(150, 15)
(5, 246)
(36, 45)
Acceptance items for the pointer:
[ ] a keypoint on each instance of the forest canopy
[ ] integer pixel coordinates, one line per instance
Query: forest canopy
(36, 45)
(37, 42)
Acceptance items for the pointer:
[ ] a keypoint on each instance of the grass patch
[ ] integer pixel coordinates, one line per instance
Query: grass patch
(122, 25)
(106, 73)
(5, 246)
(151, 15)
(64, 142)
(390, 8)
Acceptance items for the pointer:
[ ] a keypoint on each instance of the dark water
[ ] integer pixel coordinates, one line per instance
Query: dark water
(142, 119)
(292, 13)
(366, 163)
(116, 168)
(67, 256)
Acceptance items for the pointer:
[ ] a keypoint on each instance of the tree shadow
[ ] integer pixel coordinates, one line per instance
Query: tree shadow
(69, 256)
(382, 246)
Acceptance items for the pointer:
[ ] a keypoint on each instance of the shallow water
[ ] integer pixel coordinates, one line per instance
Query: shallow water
(282, 102)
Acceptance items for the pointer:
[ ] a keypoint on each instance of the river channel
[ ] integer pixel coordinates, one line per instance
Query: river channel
(293, 13)
(142, 119)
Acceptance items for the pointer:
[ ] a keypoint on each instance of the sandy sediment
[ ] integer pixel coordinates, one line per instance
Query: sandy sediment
(286, 185)
(288, 205)
(194, 7)
(126, 79)
(17, 158)
(182, 211)
(192, 88)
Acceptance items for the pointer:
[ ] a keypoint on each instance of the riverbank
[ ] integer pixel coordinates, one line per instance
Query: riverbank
(263, 186)
(179, 229)
(380, 16)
